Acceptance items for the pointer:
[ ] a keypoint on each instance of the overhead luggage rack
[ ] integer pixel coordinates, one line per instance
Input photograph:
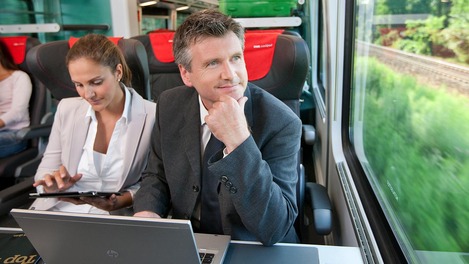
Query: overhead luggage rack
(261, 22)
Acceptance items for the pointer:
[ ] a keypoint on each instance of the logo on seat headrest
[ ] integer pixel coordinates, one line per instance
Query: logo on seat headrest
(16, 46)
(112, 253)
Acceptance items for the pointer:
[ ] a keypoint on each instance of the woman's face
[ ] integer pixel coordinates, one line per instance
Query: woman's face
(96, 83)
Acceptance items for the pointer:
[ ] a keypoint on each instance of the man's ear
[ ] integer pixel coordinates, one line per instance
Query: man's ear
(185, 75)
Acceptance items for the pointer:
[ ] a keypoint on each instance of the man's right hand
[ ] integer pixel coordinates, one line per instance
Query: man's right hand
(226, 120)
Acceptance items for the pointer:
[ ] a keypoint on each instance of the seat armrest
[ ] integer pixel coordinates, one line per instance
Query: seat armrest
(16, 190)
(318, 199)
(309, 134)
(15, 195)
(36, 131)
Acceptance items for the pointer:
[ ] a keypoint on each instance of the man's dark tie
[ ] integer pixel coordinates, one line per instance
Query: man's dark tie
(210, 220)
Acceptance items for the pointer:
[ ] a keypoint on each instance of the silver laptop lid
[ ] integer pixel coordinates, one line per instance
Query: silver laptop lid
(84, 238)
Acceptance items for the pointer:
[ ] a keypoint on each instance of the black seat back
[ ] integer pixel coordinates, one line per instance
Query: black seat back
(47, 62)
(164, 72)
(38, 105)
(284, 79)
(286, 76)
(276, 60)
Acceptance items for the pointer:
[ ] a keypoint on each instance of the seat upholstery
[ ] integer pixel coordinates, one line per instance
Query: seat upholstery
(286, 70)
(285, 79)
(47, 62)
(164, 72)
(278, 62)
(19, 47)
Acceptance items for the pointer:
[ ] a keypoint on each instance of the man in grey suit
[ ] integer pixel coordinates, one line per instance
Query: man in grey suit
(254, 172)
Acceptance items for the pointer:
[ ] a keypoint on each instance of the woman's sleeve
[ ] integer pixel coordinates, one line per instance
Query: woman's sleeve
(20, 101)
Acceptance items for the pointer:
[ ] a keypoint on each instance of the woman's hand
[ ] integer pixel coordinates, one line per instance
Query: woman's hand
(58, 181)
(111, 203)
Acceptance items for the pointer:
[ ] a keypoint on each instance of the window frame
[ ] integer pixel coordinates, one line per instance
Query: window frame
(388, 244)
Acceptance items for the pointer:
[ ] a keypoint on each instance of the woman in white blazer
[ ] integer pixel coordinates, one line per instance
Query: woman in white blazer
(100, 140)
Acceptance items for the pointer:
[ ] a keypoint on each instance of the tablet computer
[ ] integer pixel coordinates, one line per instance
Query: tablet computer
(73, 194)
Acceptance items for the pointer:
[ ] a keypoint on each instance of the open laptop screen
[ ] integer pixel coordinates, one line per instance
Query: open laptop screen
(84, 238)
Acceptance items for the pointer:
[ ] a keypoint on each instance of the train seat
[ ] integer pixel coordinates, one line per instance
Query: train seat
(277, 61)
(16, 171)
(277, 79)
(164, 72)
(47, 61)
(19, 46)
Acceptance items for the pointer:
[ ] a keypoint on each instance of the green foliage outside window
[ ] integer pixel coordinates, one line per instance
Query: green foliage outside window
(416, 143)
(447, 28)
(421, 35)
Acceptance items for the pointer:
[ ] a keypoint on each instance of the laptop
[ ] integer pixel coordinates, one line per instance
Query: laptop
(72, 238)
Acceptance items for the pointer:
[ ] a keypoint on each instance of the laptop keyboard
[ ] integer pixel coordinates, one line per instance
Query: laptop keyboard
(206, 257)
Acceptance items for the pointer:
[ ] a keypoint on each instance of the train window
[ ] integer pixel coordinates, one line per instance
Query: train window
(410, 120)
(152, 22)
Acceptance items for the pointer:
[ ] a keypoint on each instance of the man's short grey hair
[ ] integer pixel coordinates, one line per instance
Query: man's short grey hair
(197, 27)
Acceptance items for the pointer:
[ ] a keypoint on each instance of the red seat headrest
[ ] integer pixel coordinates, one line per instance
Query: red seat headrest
(162, 45)
(258, 52)
(259, 47)
(17, 47)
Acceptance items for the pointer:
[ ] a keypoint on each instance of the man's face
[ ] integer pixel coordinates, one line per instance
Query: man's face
(218, 68)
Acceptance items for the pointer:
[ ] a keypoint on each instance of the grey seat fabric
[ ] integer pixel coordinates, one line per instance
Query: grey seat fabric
(37, 109)
(47, 62)
(16, 171)
(164, 73)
